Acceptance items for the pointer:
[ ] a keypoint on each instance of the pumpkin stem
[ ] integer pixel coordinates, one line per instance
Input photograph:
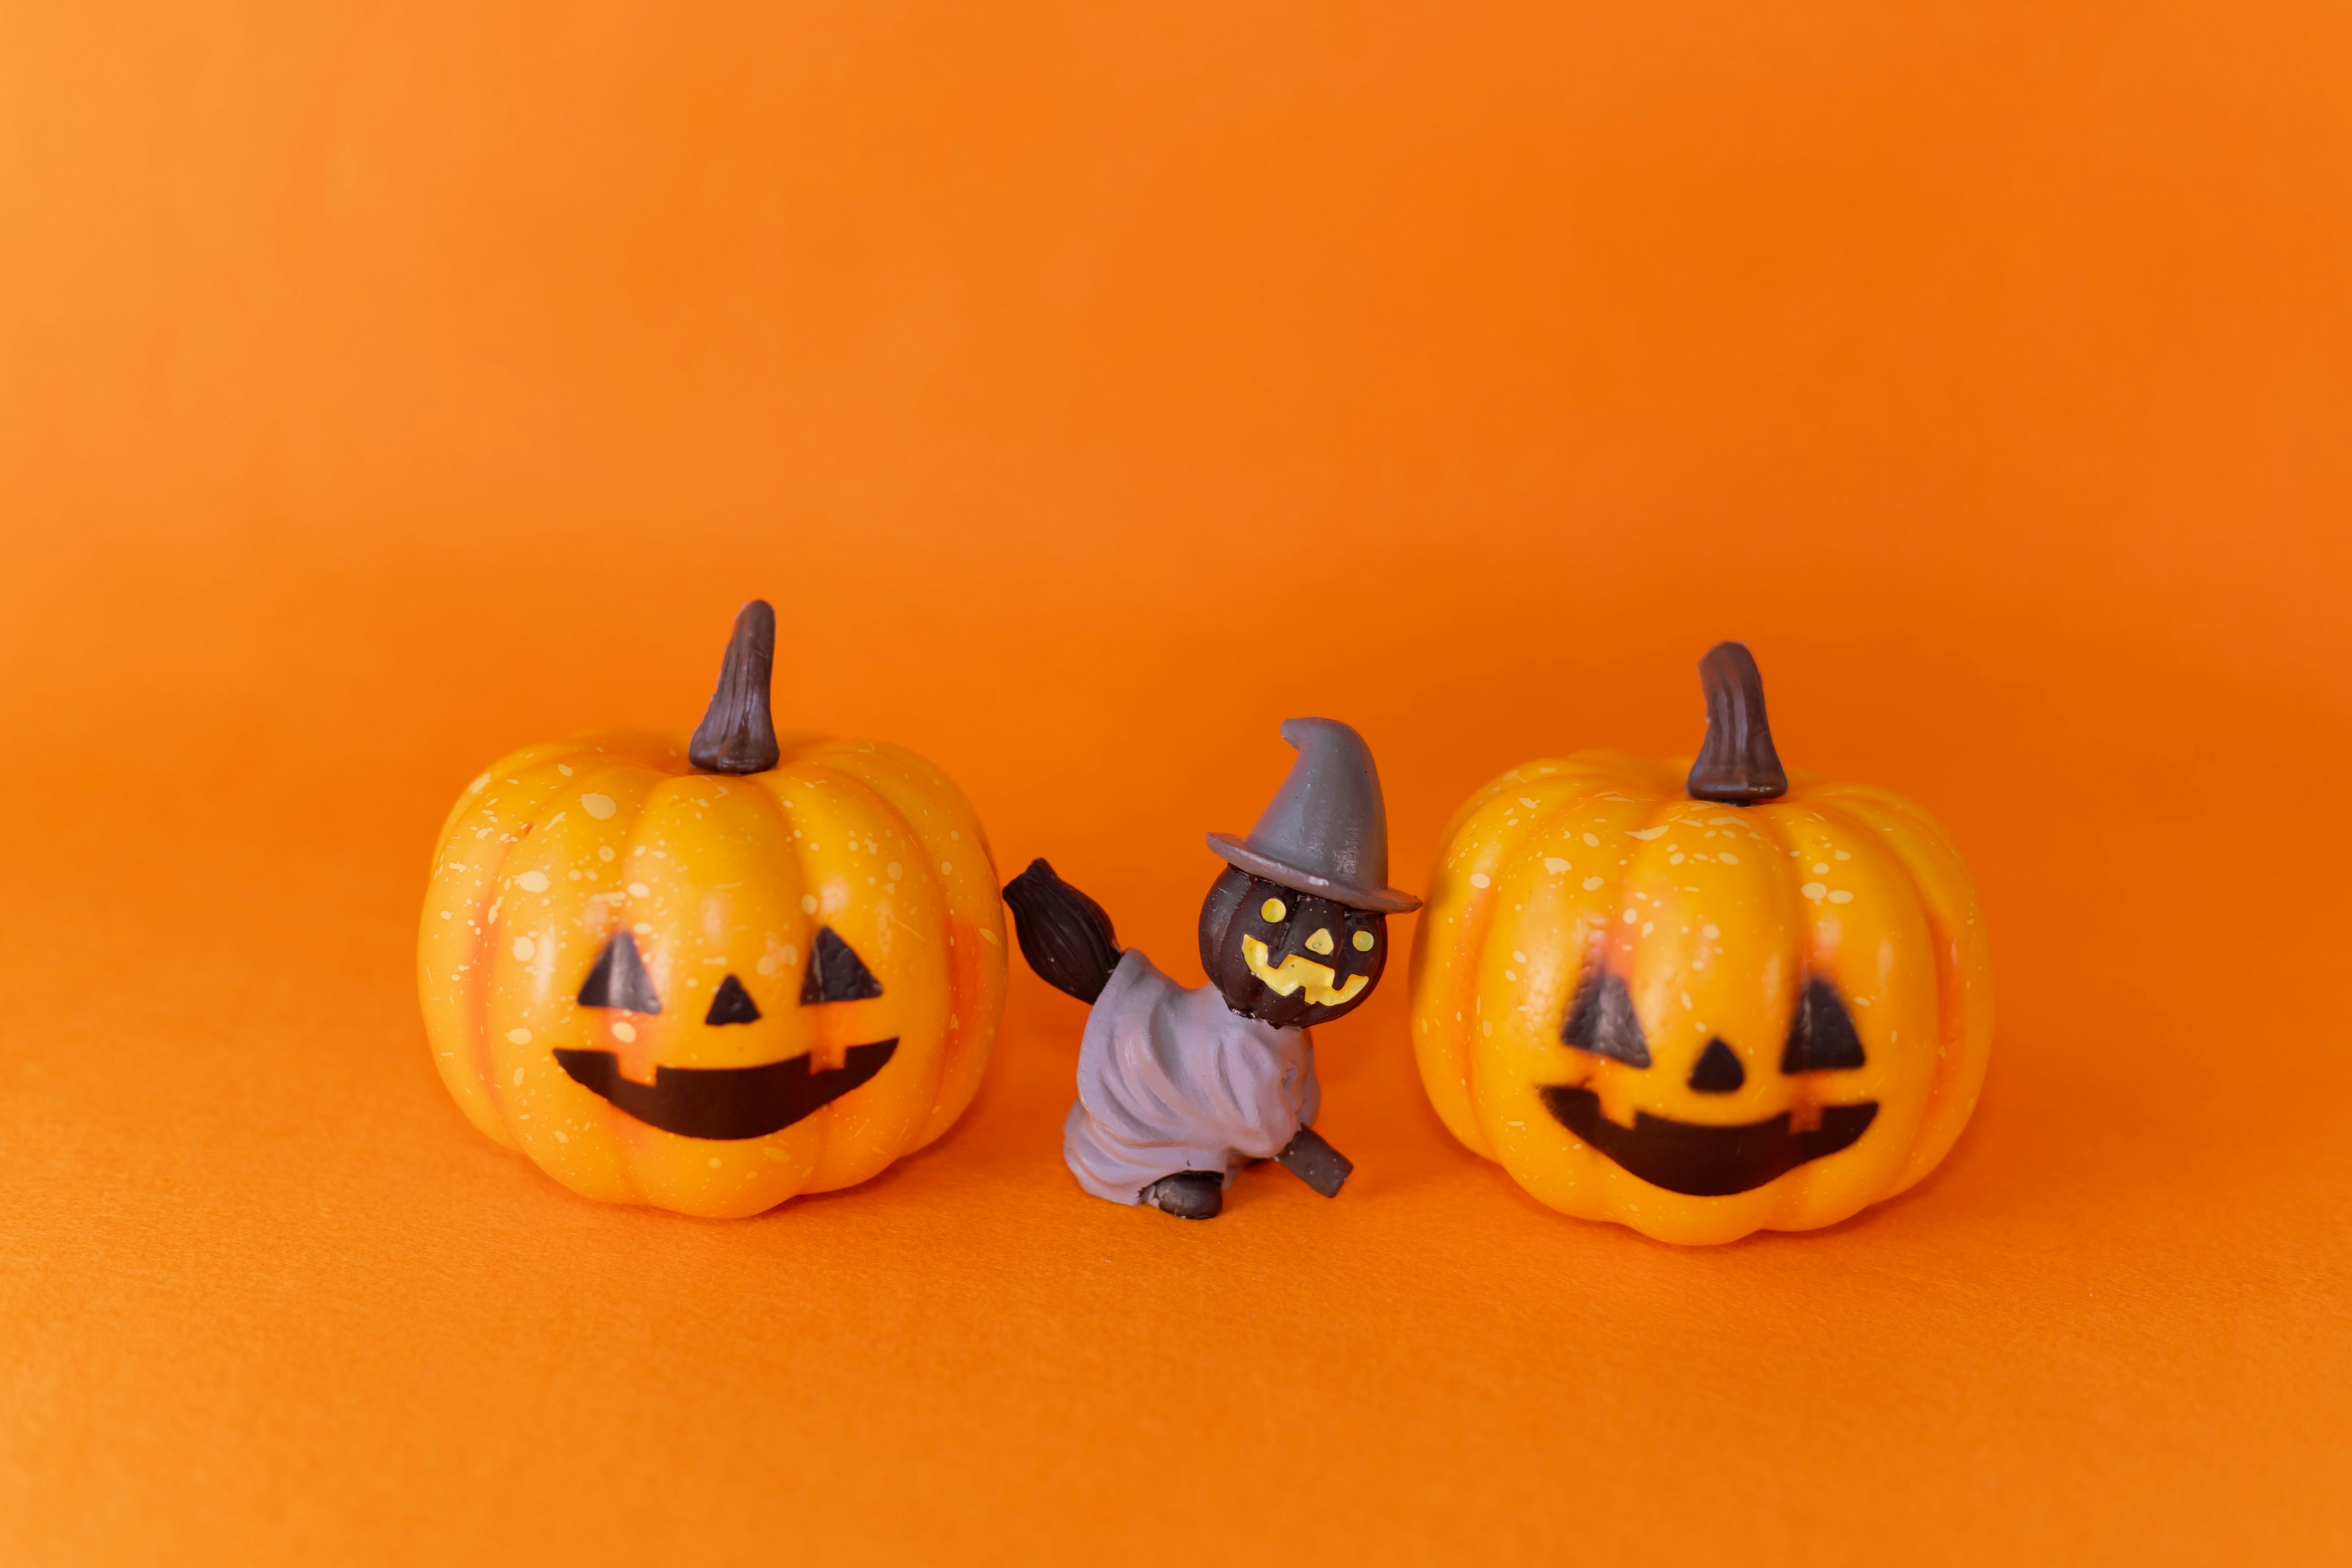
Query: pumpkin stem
(1737, 765)
(736, 735)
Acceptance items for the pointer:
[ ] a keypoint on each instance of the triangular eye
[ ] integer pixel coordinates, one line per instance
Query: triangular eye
(1600, 1020)
(836, 973)
(1821, 1036)
(618, 979)
(733, 1005)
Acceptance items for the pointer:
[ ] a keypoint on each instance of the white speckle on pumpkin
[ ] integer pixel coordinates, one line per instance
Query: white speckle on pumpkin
(1686, 1001)
(1591, 883)
(563, 768)
(1813, 890)
(605, 854)
(947, 868)
(1844, 855)
(988, 936)
(894, 870)
(599, 806)
(1480, 880)
(639, 890)
(1646, 833)
(532, 881)
(523, 948)
(1840, 897)
(1710, 931)
(562, 1136)
(1649, 926)
(1487, 1026)
(714, 1162)
(642, 929)
(1632, 915)
(1511, 975)
(1592, 841)
(624, 1031)
(1673, 860)
(1555, 865)
(1728, 858)
(808, 904)
(479, 784)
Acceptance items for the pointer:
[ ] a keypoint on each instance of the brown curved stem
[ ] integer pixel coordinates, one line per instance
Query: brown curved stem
(736, 735)
(1737, 764)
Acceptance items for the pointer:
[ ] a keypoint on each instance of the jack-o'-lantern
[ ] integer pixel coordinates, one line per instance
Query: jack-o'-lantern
(710, 974)
(1289, 959)
(1702, 999)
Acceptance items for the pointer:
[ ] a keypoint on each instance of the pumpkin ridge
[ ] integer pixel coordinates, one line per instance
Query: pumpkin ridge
(1481, 910)
(1875, 857)
(927, 804)
(1909, 838)
(1613, 797)
(596, 767)
(481, 953)
(857, 799)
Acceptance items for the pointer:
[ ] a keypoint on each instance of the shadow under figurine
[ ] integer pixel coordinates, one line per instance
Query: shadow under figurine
(1179, 1089)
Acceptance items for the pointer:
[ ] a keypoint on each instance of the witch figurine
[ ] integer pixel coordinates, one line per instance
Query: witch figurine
(1180, 1089)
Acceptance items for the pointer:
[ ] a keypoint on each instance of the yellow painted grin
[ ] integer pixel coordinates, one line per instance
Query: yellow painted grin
(1301, 973)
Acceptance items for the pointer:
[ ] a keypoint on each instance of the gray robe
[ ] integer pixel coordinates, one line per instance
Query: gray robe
(1170, 1079)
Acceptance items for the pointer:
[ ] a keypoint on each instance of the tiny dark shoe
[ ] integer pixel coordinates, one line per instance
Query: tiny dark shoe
(1188, 1195)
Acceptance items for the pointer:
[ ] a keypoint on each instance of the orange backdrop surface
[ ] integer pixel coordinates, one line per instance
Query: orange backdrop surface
(384, 387)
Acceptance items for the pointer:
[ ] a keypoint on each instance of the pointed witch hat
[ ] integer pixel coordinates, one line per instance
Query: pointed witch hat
(1327, 831)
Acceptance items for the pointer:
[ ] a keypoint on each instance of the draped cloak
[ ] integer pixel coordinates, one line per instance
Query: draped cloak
(1170, 1079)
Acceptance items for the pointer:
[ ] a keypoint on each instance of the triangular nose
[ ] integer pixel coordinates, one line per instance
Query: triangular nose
(1719, 1070)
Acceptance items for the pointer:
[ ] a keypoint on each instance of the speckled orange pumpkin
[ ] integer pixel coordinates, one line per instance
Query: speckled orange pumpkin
(672, 977)
(1701, 1000)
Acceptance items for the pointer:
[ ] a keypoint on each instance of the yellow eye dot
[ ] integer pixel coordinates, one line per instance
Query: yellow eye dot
(1272, 909)
(1363, 942)
(1320, 943)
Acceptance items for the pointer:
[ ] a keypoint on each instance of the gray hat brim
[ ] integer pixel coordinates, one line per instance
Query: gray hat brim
(1383, 900)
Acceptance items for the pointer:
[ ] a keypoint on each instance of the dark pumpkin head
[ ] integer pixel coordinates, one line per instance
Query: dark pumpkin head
(1287, 958)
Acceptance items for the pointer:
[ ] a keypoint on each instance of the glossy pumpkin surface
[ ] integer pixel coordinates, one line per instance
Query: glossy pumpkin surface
(711, 992)
(1695, 1019)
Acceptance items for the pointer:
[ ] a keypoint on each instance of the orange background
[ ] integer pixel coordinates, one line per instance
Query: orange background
(382, 388)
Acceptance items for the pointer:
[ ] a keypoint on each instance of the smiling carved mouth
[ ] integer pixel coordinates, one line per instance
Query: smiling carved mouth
(726, 1102)
(1297, 973)
(1705, 1162)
